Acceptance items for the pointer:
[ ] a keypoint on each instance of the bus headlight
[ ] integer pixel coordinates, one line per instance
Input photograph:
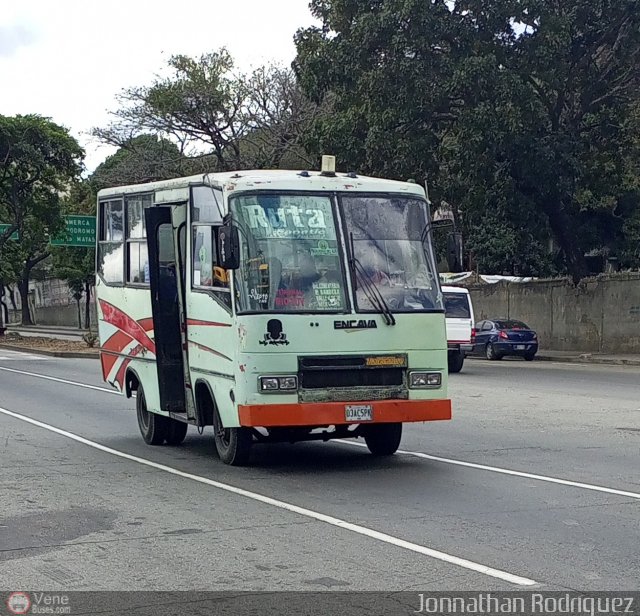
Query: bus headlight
(425, 380)
(278, 383)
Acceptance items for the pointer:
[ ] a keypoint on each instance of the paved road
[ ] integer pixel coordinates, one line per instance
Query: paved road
(482, 488)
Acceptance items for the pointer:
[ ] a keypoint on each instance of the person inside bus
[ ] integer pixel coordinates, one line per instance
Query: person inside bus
(168, 288)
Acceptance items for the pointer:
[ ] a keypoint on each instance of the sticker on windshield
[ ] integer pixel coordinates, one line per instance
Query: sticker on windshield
(307, 220)
(289, 298)
(257, 296)
(327, 294)
(324, 250)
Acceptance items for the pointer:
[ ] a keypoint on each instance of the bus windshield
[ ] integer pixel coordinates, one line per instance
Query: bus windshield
(290, 260)
(390, 248)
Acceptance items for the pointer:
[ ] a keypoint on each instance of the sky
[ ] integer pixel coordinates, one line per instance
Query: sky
(67, 59)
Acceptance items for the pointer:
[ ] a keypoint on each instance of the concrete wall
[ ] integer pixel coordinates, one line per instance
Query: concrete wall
(58, 316)
(599, 315)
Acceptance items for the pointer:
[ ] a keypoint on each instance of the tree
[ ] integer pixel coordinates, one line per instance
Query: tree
(76, 264)
(38, 158)
(277, 116)
(21, 257)
(222, 119)
(517, 111)
(145, 158)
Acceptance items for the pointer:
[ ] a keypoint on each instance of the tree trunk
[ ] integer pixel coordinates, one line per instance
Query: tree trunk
(87, 305)
(12, 298)
(79, 314)
(23, 288)
(563, 229)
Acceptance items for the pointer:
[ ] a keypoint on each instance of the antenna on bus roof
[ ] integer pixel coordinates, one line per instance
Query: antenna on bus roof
(426, 189)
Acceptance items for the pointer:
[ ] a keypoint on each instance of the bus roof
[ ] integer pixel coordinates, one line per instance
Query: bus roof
(236, 181)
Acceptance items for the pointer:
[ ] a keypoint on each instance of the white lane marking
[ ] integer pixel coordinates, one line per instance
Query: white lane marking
(57, 380)
(416, 454)
(506, 471)
(321, 517)
(20, 356)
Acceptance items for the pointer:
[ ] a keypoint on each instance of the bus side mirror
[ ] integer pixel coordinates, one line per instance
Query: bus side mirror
(454, 252)
(229, 247)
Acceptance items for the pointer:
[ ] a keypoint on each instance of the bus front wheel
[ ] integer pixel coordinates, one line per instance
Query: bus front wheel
(383, 439)
(153, 427)
(232, 444)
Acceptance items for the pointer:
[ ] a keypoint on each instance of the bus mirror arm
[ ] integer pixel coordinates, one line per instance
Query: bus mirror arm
(229, 247)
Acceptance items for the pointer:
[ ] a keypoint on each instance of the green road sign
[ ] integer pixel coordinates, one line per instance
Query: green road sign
(81, 231)
(13, 236)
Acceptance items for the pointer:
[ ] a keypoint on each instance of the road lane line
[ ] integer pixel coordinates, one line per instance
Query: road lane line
(506, 471)
(416, 454)
(53, 378)
(267, 500)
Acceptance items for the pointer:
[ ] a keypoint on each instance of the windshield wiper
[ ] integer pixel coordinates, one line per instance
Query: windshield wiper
(370, 289)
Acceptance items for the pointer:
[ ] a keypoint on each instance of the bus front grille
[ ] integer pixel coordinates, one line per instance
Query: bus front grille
(349, 377)
(346, 377)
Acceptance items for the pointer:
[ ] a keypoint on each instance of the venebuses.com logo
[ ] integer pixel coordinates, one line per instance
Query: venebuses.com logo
(18, 603)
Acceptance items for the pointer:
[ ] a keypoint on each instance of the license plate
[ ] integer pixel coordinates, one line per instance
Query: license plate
(520, 347)
(358, 412)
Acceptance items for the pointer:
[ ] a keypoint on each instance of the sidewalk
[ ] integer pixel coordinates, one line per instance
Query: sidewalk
(589, 358)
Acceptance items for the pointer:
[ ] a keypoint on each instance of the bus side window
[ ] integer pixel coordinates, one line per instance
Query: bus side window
(111, 242)
(137, 252)
(206, 271)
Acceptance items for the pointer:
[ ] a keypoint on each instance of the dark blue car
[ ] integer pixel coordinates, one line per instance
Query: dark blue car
(500, 337)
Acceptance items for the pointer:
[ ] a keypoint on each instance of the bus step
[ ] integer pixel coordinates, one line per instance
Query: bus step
(181, 417)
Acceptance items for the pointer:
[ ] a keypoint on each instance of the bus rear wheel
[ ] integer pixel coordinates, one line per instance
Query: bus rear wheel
(232, 444)
(383, 439)
(153, 427)
(176, 432)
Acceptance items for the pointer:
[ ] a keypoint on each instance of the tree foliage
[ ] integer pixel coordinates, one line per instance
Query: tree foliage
(145, 158)
(38, 159)
(209, 109)
(76, 264)
(522, 113)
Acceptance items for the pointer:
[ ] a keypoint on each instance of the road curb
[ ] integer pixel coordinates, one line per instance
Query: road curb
(584, 359)
(589, 359)
(62, 354)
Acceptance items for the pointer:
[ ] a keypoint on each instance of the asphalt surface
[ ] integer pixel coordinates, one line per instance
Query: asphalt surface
(77, 517)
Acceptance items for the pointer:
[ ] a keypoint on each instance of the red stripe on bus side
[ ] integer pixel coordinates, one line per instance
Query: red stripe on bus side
(209, 350)
(207, 323)
(124, 322)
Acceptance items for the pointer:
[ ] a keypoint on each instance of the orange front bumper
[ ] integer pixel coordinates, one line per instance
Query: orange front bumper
(333, 413)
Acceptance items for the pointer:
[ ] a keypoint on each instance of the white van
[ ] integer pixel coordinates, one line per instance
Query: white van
(460, 325)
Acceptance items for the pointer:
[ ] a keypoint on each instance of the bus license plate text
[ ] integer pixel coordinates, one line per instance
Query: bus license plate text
(358, 412)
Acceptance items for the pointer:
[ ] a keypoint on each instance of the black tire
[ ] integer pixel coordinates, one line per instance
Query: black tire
(529, 356)
(383, 439)
(153, 427)
(232, 444)
(491, 354)
(455, 361)
(176, 431)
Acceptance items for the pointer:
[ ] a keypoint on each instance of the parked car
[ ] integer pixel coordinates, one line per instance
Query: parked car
(459, 320)
(497, 338)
